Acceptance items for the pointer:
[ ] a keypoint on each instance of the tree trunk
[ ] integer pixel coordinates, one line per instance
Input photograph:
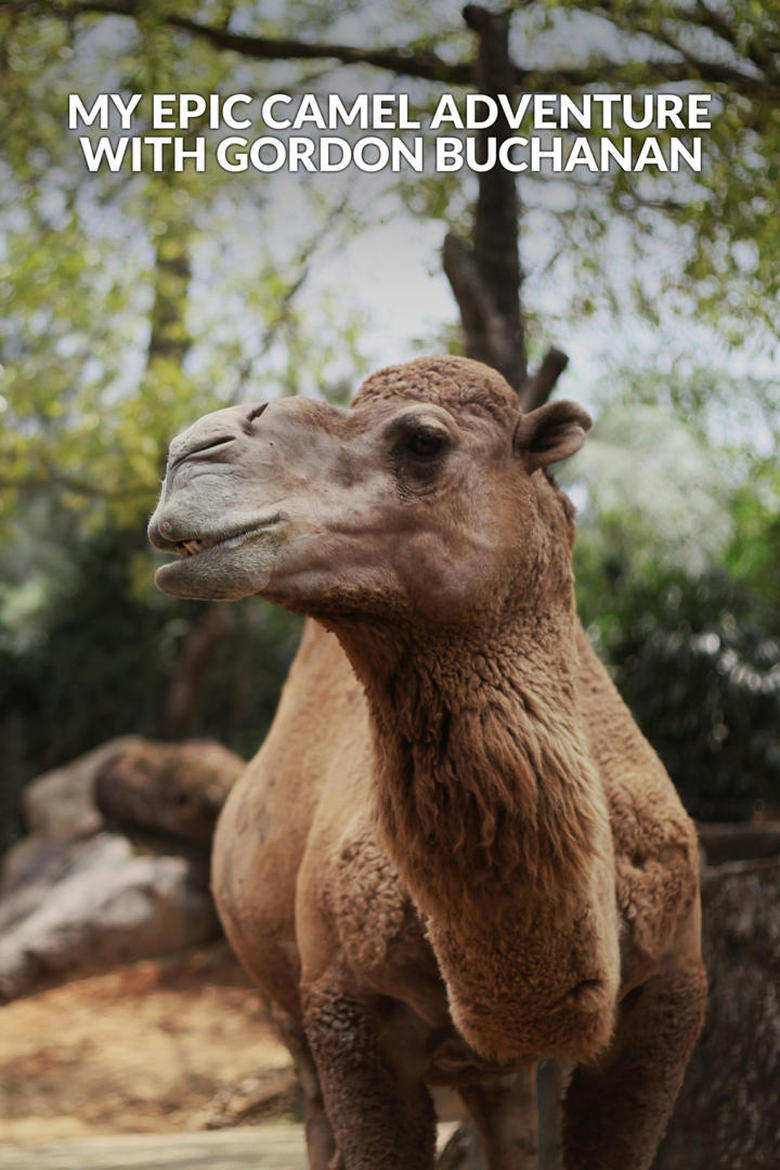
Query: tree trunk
(187, 685)
(169, 344)
(486, 277)
(169, 340)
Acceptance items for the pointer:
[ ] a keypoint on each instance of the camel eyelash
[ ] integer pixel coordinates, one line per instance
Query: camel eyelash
(414, 436)
(425, 443)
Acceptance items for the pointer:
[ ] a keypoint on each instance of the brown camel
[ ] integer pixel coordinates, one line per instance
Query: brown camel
(455, 853)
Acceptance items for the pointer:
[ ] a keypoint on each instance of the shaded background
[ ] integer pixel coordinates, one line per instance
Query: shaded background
(131, 303)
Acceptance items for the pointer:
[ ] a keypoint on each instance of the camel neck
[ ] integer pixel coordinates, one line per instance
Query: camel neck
(482, 780)
(495, 819)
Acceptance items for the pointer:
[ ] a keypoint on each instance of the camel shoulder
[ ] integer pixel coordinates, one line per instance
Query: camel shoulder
(656, 856)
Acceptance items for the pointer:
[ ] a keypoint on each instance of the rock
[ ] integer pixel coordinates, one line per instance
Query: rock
(176, 788)
(61, 803)
(32, 868)
(99, 903)
(727, 1115)
(116, 867)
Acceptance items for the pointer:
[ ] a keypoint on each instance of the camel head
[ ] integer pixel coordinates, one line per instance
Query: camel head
(426, 496)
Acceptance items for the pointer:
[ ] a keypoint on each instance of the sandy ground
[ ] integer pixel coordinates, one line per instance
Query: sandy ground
(160, 1046)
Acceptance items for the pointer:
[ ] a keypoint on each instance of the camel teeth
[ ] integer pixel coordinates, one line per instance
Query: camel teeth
(188, 548)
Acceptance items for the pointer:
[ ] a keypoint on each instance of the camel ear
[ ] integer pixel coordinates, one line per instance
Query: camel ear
(550, 433)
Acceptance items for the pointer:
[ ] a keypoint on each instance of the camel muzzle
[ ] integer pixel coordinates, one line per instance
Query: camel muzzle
(219, 511)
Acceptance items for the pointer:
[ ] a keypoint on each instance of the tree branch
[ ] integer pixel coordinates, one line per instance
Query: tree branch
(427, 66)
(497, 210)
(537, 389)
(483, 328)
(188, 683)
(430, 67)
(486, 279)
(303, 262)
(704, 17)
(644, 19)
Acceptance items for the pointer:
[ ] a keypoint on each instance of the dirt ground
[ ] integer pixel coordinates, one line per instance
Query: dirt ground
(166, 1045)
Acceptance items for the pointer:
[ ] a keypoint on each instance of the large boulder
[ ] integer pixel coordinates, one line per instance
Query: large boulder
(108, 901)
(61, 803)
(116, 866)
(727, 1115)
(175, 788)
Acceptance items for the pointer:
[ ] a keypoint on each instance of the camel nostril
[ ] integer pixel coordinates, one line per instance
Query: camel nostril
(163, 534)
(163, 528)
(254, 414)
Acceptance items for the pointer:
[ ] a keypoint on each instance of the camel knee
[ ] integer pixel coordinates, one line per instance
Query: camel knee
(344, 1042)
(337, 1027)
(658, 1025)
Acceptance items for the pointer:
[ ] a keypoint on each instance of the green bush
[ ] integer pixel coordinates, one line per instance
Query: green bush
(698, 662)
(102, 659)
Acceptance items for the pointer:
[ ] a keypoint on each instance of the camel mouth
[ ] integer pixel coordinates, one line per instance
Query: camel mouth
(195, 546)
(223, 566)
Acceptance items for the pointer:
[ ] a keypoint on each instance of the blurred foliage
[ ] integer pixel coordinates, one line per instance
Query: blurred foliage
(654, 491)
(753, 557)
(677, 564)
(698, 662)
(98, 659)
(696, 656)
(130, 303)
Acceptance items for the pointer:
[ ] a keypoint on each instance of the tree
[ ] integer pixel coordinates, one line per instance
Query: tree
(103, 276)
(725, 239)
(59, 411)
(66, 412)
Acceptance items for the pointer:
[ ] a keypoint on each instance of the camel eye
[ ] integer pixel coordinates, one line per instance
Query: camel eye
(425, 443)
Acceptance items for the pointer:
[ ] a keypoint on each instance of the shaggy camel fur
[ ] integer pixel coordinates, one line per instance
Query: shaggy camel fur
(455, 853)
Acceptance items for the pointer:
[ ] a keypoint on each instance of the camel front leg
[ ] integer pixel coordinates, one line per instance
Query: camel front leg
(505, 1115)
(381, 1118)
(320, 1145)
(617, 1108)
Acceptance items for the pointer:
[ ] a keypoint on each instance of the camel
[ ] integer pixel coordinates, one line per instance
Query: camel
(455, 853)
